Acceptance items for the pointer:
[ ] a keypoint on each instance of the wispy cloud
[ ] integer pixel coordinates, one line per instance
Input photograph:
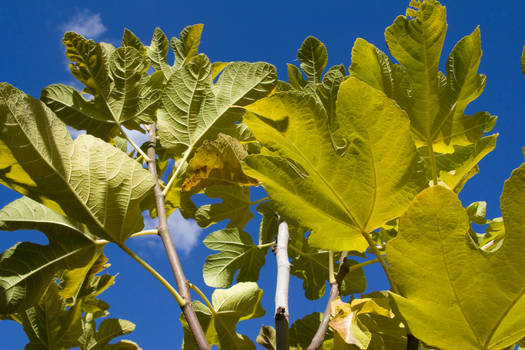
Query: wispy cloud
(185, 233)
(86, 23)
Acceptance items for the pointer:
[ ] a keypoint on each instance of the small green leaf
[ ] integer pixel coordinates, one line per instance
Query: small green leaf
(313, 58)
(436, 225)
(187, 46)
(217, 163)
(266, 338)
(157, 53)
(235, 206)
(295, 77)
(237, 252)
(269, 222)
(240, 302)
(130, 40)
(89, 64)
(302, 331)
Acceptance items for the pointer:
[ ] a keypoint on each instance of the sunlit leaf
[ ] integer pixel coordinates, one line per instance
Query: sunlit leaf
(237, 253)
(217, 162)
(187, 45)
(27, 268)
(240, 302)
(313, 58)
(266, 338)
(157, 53)
(435, 103)
(235, 207)
(193, 108)
(436, 225)
(368, 323)
(49, 325)
(337, 197)
(39, 159)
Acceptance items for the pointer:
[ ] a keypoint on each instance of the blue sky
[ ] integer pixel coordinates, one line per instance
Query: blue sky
(272, 31)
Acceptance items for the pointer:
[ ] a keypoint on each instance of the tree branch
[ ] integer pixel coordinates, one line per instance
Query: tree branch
(281, 290)
(318, 338)
(173, 258)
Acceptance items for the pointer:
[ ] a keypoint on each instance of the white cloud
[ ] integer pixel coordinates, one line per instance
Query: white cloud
(86, 23)
(185, 233)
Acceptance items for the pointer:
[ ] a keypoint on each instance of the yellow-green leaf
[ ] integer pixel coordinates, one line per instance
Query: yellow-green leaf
(193, 108)
(338, 197)
(27, 268)
(39, 159)
(217, 162)
(237, 253)
(473, 297)
(239, 302)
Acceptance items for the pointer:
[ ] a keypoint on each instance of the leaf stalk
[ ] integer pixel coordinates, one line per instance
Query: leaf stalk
(203, 297)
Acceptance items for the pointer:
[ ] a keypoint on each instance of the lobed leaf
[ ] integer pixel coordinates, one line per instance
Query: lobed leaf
(339, 197)
(39, 159)
(237, 253)
(237, 303)
(436, 225)
(235, 206)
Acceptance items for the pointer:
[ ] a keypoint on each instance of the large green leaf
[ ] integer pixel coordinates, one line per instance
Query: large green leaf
(240, 302)
(235, 206)
(193, 107)
(237, 252)
(27, 268)
(88, 179)
(481, 307)
(338, 197)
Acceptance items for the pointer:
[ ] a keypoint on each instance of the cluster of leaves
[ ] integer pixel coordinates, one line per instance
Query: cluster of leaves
(369, 158)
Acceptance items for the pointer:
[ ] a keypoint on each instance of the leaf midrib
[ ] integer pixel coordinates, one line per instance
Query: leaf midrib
(51, 166)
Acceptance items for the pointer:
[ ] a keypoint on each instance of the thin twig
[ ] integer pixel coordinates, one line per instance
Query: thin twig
(281, 290)
(203, 297)
(177, 170)
(377, 253)
(189, 313)
(134, 145)
(318, 338)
